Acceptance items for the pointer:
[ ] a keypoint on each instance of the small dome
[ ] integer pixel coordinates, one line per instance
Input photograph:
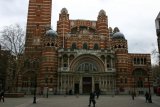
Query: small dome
(102, 12)
(118, 35)
(51, 33)
(64, 10)
(116, 29)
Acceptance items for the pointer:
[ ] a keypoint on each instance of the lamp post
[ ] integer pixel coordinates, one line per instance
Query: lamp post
(134, 86)
(149, 88)
(35, 67)
(47, 85)
(35, 87)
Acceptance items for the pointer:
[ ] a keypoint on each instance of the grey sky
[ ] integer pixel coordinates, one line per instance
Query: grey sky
(135, 18)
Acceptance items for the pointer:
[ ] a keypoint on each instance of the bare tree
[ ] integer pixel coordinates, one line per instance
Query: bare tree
(156, 75)
(156, 69)
(156, 56)
(12, 39)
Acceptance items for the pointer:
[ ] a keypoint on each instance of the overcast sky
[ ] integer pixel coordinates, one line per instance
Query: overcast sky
(134, 18)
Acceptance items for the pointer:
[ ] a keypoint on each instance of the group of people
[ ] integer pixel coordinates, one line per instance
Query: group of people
(2, 96)
(92, 97)
(148, 97)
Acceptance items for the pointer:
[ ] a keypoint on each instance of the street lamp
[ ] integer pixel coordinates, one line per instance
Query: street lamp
(35, 67)
(35, 87)
(47, 85)
(149, 88)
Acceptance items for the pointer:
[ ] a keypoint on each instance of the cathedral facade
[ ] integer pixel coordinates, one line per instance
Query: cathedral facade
(80, 56)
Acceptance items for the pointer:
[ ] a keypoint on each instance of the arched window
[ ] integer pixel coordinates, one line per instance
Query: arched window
(52, 44)
(103, 58)
(65, 60)
(144, 60)
(48, 44)
(108, 61)
(85, 46)
(141, 60)
(96, 46)
(135, 61)
(138, 61)
(74, 46)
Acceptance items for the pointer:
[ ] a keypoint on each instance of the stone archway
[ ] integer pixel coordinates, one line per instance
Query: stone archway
(139, 76)
(86, 66)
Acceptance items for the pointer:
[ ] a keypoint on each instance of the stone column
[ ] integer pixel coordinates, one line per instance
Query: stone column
(68, 83)
(68, 61)
(100, 81)
(109, 83)
(111, 62)
(58, 87)
(73, 84)
(80, 84)
(105, 63)
(61, 85)
(93, 88)
(61, 62)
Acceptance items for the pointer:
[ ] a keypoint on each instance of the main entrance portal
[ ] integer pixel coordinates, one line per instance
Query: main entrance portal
(87, 85)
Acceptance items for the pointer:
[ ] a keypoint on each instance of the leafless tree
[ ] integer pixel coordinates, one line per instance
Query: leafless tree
(156, 56)
(12, 39)
(156, 68)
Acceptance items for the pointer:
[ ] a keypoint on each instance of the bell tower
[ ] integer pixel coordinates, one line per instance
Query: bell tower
(38, 20)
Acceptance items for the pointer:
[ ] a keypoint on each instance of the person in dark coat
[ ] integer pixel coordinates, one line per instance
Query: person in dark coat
(2, 96)
(98, 93)
(92, 99)
(147, 96)
(133, 95)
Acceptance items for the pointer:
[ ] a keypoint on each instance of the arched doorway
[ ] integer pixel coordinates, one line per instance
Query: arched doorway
(87, 84)
(87, 67)
(139, 76)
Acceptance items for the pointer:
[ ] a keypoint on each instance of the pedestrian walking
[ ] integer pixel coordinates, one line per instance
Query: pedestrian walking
(133, 95)
(98, 93)
(92, 99)
(150, 98)
(147, 96)
(2, 96)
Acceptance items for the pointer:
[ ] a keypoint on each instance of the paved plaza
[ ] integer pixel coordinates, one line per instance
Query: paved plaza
(80, 101)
